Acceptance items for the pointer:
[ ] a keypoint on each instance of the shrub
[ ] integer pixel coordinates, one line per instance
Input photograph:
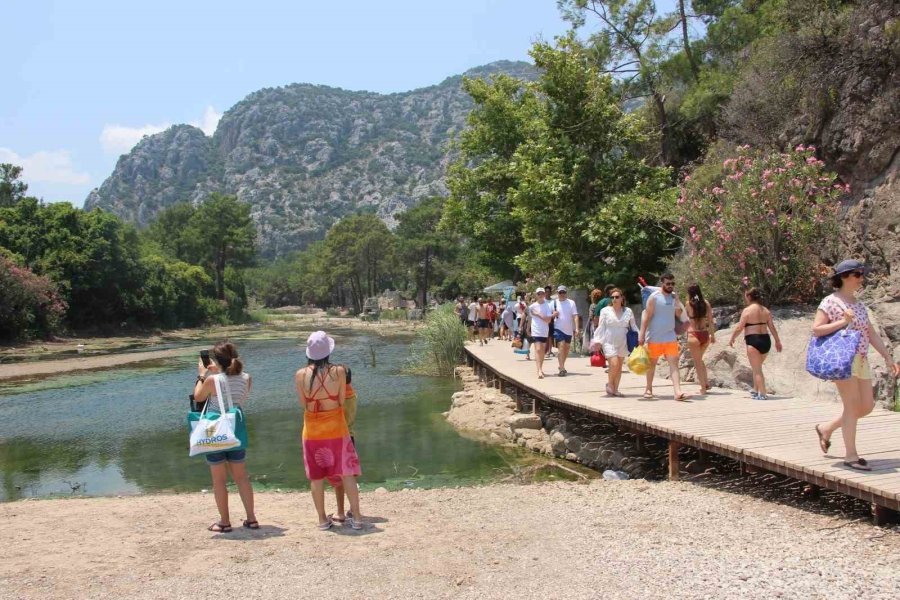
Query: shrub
(394, 314)
(761, 220)
(30, 305)
(440, 343)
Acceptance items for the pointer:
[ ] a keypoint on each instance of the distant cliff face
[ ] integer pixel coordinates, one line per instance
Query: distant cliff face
(302, 156)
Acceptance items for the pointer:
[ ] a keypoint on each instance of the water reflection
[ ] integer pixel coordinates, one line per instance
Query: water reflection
(124, 430)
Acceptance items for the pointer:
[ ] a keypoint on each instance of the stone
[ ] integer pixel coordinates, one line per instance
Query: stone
(558, 443)
(524, 421)
(573, 443)
(381, 490)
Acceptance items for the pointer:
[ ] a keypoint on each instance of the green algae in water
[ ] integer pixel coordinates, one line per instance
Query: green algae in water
(123, 431)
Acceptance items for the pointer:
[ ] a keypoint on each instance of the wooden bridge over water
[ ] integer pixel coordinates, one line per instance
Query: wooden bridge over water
(776, 435)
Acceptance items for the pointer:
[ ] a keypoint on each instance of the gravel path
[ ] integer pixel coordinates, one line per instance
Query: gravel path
(621, 539)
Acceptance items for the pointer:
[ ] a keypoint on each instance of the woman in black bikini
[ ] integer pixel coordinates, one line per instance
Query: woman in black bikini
(701, 331)
(756, 323)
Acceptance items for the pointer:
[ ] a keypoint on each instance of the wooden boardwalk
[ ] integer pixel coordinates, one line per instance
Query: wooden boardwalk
(776, 435)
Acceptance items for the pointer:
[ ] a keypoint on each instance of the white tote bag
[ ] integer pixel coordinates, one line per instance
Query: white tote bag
(215, 435)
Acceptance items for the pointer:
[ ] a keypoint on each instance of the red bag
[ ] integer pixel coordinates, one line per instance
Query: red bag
(598, 360)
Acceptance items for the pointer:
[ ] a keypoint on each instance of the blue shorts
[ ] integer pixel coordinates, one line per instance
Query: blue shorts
(559, 336)
(232, 456)
(538, 339)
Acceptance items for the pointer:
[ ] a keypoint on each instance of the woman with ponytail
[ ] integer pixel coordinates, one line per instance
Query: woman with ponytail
(701, 331)
(225, 361)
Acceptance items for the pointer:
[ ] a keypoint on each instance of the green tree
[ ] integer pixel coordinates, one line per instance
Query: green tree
(175, 234)
(423, 244)
(11, 189)
(224, 234)
(360, 253)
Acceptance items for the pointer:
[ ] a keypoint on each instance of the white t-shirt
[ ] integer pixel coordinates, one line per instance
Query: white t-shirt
(539, 327)
(565, 322)
(473, 311)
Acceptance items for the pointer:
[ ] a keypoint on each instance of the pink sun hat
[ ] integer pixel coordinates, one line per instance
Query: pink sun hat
(319, 345)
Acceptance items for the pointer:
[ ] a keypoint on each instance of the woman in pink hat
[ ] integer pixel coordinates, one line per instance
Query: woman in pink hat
(328, 451)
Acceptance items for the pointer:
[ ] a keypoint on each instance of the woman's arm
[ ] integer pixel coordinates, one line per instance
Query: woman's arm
(710, 323)
(822, 327)
(342, 382)
(877, 343)
(205, 386)
(739, 328)
(771, 323)
(299, 379)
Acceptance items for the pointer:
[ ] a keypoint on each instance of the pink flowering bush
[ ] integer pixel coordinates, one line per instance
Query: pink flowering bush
(29, 304)
(759, 220)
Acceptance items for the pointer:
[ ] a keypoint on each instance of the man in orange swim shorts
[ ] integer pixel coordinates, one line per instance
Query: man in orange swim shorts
(658, 332)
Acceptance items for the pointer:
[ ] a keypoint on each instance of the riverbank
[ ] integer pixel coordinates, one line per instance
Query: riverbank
(64, 355)
(610, 539)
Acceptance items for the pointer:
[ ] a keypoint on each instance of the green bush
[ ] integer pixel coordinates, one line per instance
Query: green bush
(394, 314)
(440, 343)
(761, 220)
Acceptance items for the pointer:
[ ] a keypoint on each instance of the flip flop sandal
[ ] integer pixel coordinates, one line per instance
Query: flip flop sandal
(825, 444)
(354, 524)
(219, 528)
(859, 465)
(251, 524)
(337, 519)
(682, 397)
(326, 525)
(649, 395)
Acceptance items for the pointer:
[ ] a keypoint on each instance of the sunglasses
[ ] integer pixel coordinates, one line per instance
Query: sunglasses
(616, 297)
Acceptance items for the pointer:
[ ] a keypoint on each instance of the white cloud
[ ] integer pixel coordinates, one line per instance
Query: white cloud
(46, 166)
(119, 139)
(210, 120)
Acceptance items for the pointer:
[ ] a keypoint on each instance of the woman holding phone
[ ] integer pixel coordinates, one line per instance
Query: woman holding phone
(225, 361)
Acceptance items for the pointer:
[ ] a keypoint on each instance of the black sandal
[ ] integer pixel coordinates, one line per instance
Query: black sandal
(859, 464)
(251, 524)
(825, 444)
(219, 528)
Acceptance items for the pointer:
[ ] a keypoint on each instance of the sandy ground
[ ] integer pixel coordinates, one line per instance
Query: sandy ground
(605, 539)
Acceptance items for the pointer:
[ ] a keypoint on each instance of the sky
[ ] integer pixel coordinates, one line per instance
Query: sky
(85, 80)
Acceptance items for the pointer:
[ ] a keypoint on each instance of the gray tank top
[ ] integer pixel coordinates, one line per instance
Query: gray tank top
(662, 326)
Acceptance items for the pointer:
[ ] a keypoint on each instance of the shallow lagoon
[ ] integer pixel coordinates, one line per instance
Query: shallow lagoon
(123, 431)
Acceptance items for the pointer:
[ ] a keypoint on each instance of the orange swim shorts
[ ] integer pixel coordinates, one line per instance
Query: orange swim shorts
(662, 349)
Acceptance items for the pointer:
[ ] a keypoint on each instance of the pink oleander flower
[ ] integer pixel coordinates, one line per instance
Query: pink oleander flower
(718, 191)
(770, 272)
(767, 173)
(745, 280)
(800, 148)
(812, 160)
(769, 185)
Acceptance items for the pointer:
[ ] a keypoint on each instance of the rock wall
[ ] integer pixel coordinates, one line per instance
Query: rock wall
(486, 413)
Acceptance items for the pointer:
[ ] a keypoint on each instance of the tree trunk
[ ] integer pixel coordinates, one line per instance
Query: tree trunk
(665, 143)
(695, 69)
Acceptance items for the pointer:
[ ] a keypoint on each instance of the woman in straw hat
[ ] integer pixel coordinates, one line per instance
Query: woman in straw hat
(328, 451)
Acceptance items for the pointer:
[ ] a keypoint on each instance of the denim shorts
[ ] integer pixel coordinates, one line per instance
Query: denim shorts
(232, 456)
(559, 336)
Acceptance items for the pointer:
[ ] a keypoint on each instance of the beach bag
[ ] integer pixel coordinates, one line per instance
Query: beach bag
(598, 360)
(639, 361)
(631, 339)
(517, 343)
(213, 431)
(524, 349)
(830, 357)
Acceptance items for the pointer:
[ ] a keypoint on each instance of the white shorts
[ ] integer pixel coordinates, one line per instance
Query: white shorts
(611, 349)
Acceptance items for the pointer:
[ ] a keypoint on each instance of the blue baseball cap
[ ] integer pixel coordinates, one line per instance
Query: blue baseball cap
(849, 265)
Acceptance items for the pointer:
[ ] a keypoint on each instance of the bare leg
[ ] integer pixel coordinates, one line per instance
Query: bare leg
(675, 375)
(220, 491)
(352, 489)
(539, 350)
(651, 371)
(697, 350)
(339, 499)
(317, 488)
(615, 372)
(245, 488)
(756, 361)
(858, 400)
(563, 354)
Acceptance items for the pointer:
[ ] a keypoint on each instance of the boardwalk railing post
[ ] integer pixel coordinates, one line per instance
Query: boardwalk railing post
(674, 465)
(882, 515)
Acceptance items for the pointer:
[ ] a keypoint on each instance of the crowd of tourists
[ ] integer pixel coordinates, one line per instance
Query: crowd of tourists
(672, 324)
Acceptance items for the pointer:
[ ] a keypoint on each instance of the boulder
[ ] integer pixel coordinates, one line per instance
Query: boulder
(524, 421)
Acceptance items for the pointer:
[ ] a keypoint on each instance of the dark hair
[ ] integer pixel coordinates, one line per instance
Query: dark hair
(226, 356)
(596, 295)
(754, 294)
(608, 288)
(667, 277)
(548, 287)
(318, 365)
(837, 281)
(696, 300)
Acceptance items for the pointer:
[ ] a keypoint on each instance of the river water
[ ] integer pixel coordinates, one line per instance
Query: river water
(123, 431)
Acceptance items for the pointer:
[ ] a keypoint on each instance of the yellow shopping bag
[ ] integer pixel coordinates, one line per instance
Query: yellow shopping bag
(639, 361)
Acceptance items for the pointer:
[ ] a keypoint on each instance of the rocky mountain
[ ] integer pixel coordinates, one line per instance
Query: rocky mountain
(303, 156)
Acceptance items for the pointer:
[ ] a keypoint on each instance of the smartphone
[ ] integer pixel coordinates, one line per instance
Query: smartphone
(204, 356)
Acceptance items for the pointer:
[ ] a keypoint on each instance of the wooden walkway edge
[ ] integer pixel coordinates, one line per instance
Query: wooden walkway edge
(776, 435)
